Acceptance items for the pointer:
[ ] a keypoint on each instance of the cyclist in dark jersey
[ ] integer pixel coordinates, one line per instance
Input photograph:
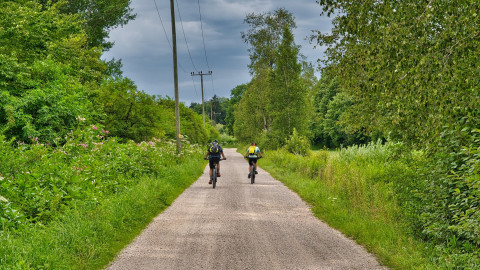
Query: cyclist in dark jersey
(214, 152)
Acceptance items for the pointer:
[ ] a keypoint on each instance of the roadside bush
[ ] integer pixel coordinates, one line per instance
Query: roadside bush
(297, 144)
(38, 181)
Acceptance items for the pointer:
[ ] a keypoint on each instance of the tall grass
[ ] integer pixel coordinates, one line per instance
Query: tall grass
(361, 192)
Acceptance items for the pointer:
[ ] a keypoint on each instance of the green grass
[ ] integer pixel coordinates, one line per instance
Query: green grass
(356, 194)
(89, 235)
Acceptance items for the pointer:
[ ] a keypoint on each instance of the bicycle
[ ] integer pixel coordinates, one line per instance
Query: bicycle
(252, 172)
(214, 173)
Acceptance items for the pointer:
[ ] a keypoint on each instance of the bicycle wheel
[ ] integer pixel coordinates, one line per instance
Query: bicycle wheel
(252, 174)
(214, 177)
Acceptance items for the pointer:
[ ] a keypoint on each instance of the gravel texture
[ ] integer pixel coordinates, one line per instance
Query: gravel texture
(239, 225)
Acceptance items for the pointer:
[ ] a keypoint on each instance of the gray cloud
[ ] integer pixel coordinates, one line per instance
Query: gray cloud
(147, 56)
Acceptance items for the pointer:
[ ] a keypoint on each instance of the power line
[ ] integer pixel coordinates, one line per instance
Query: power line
(204, 47)
(203, 37)
(160, 17)
(168, 40)
(184, 37)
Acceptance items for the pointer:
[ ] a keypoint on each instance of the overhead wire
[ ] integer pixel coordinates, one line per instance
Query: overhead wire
(168, 40)
(204, 47)
(184, 37)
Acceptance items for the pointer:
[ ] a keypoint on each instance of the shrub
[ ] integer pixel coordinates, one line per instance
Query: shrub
(297, 144)
(40, 181)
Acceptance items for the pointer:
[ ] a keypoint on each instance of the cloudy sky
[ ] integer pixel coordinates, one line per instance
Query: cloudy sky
(145, 46)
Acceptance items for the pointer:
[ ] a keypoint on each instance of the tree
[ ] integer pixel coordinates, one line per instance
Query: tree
(100, 16)
(250, 113)
(409, 68)
(46, 73)
(236, 95)
(330, 105)
(129, 113)
(288, 99)
(264, 36)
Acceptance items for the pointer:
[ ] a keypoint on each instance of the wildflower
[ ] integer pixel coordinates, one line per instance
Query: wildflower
(105, 131)
(80, 119)
(94, 127)
(84, 145)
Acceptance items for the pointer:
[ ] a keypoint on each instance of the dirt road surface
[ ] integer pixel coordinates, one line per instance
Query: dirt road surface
(239, 225)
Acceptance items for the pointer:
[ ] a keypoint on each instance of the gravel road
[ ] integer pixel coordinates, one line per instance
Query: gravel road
(238, 225)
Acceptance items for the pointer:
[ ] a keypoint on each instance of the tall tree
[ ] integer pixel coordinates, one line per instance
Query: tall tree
(100, 16)
(252, 118)
(236, 95)
(288, 98)
(46, 71)
(264, 37)
(409, 67)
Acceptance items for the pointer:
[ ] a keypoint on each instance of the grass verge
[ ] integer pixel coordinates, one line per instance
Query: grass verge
(90, 234)
(356, 196)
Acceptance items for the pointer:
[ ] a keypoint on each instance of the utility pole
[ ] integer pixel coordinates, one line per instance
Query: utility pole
(175, 78)
(201, 74)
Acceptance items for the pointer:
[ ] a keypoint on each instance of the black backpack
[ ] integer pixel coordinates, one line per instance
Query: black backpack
(214, 149)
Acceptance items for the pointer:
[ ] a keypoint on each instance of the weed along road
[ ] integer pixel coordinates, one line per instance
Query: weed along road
(239, 225)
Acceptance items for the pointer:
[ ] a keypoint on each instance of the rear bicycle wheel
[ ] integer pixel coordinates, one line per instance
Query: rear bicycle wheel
(252, 174)
(214, 177)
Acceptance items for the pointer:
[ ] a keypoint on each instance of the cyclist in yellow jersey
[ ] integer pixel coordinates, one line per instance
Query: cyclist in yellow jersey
(253, 154)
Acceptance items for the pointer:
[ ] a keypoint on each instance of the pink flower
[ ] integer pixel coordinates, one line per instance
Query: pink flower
(94, 127)
(105, 131)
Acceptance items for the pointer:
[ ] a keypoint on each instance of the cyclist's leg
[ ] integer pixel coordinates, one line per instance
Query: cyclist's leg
(211, 163)
(218, 168)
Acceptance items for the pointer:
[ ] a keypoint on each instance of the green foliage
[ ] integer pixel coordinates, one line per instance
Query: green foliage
(287, 100)
(297, 144)
(449, 209)
(276, 100)
(412, 75)
(251, 118)
(43, 72)
(129, 113)
(191, 124)
(90, 233)
(39, 181)
(330, 106)
(409, 68)
(365, 192)
(264, 36)
(235, 97)
(99, 16)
